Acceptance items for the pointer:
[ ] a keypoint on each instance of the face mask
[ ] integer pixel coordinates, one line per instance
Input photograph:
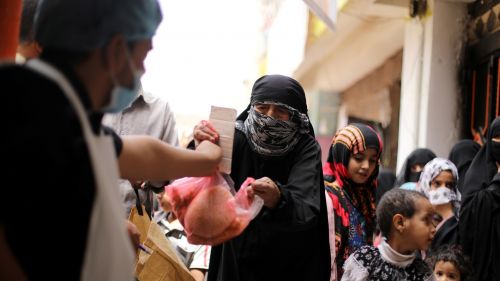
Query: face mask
(440, 196)
(268, 136)
(121, 96)
(414, 176)
(495, 149)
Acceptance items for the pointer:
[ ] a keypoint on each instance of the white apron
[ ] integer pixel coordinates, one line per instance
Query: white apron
(109, 255)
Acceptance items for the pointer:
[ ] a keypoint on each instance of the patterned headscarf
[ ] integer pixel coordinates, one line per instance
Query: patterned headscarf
(268, 136)
(272, 137)
(431, 171)
(350, 231)
(354, 138)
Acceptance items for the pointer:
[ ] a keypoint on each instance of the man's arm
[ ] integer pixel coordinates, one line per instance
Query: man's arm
(9, 267)
(145, 157)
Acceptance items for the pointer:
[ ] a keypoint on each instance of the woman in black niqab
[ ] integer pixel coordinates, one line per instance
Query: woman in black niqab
(419, 156)
(386, 179)
(288, 241)
(479, 221)
(461, 155)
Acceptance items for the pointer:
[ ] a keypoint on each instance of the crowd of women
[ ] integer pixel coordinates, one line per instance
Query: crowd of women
(332, 221)
(443, 211)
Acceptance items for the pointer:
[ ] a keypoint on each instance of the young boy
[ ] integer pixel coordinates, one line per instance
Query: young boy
(406, 221)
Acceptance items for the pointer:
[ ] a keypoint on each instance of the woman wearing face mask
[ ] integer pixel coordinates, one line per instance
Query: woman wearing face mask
(274, 143)
(439, 183)
(350, 181)
(479, 224)
(412, 167)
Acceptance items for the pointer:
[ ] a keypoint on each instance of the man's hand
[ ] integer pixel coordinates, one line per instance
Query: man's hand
(135, 236)
(267, 190)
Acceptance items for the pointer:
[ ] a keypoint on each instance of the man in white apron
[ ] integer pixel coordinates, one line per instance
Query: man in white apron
(59, 195)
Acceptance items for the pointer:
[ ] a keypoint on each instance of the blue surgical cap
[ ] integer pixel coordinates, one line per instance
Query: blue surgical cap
(85, 25)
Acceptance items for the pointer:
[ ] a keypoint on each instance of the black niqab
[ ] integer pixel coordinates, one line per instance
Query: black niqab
(289, 242)
(461, 155)
(479, 221)
(279, 89)
(418, 156)
(386, 180)
(483, 167)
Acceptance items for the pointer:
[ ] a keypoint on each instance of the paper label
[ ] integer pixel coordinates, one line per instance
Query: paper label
(223, 119)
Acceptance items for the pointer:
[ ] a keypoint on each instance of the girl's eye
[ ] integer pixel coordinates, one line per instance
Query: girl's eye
(373, 161)
(439, 273)
(358, 157)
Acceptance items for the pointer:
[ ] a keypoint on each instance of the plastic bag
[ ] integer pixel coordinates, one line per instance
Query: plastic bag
(209, 211)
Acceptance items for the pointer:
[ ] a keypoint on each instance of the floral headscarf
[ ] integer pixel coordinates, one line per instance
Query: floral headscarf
(266, 135)
(353, 227)
(431, 171)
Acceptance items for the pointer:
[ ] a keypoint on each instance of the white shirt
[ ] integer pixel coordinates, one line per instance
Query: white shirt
(147, 115)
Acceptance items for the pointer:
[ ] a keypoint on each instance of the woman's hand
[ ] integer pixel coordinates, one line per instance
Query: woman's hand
(267, 190)
(164, 202)
(205, 131)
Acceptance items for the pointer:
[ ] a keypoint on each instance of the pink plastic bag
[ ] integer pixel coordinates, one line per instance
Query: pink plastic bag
(209, 211)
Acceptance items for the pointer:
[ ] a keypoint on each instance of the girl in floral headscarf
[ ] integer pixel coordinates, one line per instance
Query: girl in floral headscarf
(350, 181)
(439, 183)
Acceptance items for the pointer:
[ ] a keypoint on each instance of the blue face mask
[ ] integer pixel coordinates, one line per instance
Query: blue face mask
(121, 96)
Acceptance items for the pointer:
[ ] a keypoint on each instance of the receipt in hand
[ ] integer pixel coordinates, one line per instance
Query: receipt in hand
(223, 119)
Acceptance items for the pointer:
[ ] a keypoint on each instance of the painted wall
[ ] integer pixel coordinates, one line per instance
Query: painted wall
(429, 95)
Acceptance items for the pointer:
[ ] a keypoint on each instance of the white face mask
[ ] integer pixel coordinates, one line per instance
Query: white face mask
(440, 196)
(122, 96)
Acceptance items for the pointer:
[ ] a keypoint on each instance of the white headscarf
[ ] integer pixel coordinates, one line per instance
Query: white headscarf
(431, 171)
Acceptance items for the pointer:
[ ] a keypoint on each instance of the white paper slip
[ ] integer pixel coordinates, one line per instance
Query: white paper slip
(223, 119)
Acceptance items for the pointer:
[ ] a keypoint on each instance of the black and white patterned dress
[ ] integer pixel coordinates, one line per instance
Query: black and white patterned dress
(367, 263)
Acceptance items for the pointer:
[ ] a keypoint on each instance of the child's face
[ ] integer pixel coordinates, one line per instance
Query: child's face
(444, 179)
(362, 165)
(421, 226)
(446, 271)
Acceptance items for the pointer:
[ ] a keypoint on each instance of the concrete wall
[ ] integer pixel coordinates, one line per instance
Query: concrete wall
(429, 94)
